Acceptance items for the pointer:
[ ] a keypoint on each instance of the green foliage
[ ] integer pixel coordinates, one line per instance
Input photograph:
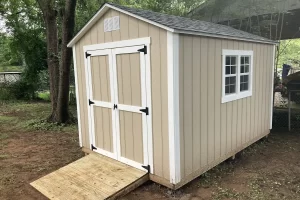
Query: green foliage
(45, 95)
(289, 53)
(5, 92)
(86, 9)
(11, 68)
(7, 56)
(25, 38)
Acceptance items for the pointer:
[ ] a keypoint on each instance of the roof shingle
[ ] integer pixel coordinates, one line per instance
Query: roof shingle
(186, 24)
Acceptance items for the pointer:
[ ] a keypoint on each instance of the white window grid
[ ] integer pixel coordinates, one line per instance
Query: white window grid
(231, 74)
(238, 94)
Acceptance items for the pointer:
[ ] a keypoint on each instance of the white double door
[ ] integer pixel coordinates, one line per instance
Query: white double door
(118, 110)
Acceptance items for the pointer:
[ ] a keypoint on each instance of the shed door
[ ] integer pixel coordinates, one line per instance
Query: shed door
(119, 109)
(101, 100)
(132, 111)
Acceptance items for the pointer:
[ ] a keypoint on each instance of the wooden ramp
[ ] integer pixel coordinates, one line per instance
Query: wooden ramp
(91, 177)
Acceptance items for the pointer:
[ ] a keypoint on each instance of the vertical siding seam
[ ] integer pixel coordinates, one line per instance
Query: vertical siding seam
(192, 122)
(161, 107)
(131, 97)
(200, 104)
(207, 121)
(183, 81)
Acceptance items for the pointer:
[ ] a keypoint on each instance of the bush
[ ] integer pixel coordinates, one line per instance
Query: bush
(20, 90)
(23, 90)
(5, 92)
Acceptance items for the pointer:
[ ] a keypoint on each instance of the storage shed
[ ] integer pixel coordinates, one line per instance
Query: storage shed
(170, 95)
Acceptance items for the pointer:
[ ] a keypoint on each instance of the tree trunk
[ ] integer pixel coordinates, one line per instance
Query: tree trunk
(59, 72)
(68, 24)
(49, 15)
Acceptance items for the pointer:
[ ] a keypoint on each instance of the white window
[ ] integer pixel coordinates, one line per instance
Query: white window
(236, 75)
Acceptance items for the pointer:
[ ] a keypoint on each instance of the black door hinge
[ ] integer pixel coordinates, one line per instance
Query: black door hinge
(143, 49)
(87, 54)
(147, 167)
(93, 147)
(146, 110)
(91, 102)
(115, 106)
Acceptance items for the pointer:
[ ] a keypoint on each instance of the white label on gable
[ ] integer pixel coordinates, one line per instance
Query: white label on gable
(106, 21)
(116, 23)
(111, 24)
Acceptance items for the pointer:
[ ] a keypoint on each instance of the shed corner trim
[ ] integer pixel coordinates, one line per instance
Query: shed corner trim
(173, 106)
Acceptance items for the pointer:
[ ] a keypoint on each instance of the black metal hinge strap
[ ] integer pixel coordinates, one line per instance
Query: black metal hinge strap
(93, 147)
(115, 106)
(146, 110)
(147, 167)
(91, 102)
(143, 49)
(87, 54)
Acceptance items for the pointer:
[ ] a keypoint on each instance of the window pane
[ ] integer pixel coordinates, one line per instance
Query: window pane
(227, 80)
(242, 69)
(230, 85)
(244, 85)
(227, 60)
(232, 80)
(233, 71)
(242, 60)
(244, 78)
(227, 89)
(247, 60)
(227, 70)
(232, 89)
(246, 68)
(233, 60)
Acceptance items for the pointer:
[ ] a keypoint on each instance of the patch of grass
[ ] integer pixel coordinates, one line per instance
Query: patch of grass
(43, 125)
(6, 119)
(223, 193)
(11, 68)
(45, 95)
(20, 115)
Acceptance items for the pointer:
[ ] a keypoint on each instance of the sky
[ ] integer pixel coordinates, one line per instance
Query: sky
(2, 25)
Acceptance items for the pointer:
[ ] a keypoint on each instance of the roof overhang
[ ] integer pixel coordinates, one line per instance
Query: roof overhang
(108, 6)
(226, 37)
(100, 13)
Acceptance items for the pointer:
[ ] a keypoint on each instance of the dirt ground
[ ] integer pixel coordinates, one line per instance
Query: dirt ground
(29, 149)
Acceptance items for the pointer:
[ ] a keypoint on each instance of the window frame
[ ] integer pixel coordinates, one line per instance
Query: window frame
(238, 94)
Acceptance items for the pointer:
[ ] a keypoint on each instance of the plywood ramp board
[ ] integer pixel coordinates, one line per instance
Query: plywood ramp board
(91, 177)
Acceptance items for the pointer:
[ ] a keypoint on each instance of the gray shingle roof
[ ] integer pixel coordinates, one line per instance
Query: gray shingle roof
(186, 24)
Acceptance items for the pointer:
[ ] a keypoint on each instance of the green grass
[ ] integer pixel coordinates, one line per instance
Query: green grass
(11, 68)
(45, 95)
(20, 115)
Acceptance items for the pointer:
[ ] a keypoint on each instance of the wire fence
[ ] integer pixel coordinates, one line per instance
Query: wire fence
(286, 113)
(280, 111)
(294, 110)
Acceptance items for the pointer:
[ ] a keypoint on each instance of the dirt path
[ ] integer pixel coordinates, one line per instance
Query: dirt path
(267, 170)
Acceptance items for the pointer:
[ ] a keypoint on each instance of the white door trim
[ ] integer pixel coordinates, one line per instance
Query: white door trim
(173, 106)
(106, 52)
(97, 49)
(118, 44)
(130, 108)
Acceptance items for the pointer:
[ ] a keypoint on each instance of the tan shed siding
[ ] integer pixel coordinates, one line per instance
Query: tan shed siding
(212, 131)
(131, 28)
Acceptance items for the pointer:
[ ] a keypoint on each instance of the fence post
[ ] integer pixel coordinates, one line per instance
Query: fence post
(289, 105)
